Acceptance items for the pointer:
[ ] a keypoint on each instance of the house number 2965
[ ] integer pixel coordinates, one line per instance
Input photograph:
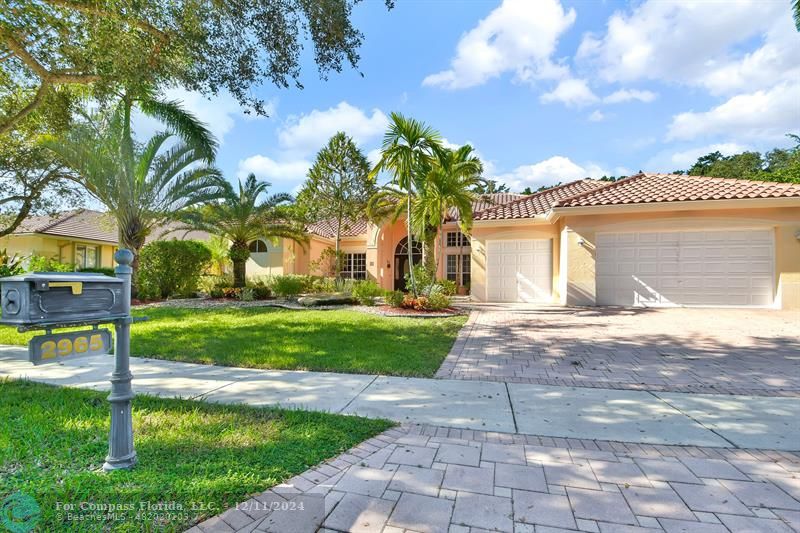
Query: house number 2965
(65, 347)
(48, 348)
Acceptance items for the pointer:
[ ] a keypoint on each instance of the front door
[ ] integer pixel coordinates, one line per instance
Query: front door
(401, 269)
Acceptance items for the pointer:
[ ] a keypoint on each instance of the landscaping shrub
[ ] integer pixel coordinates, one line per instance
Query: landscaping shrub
(10, 265)
(261, 291)
(39, 263)
(423, 279)
(289, 285)
(231, 292)
(323, 285)
(438, 301)
(171, 268)
(246, 294)
(449, 286)
(213, 284)
(365, 292)
(394, 298)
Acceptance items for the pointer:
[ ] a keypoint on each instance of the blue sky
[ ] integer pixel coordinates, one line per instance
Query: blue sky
(545, 90)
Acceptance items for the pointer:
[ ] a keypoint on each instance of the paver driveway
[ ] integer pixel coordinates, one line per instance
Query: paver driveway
(440, 480)
(733, 351)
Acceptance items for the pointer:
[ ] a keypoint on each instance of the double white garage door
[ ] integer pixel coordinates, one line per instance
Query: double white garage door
(692, 268)
(519, 270)
(649, 268)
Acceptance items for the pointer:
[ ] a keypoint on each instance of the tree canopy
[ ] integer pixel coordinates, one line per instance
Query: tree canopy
(338, 186)
(54, 51)
(778, 164)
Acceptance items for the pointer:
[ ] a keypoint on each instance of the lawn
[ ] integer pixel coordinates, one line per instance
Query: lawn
(338, 341)
(203, 457)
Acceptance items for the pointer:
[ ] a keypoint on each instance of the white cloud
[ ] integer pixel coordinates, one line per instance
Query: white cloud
(519, 36)
(762, 114)
(549, 171)
(307, 133)
(687, 158)
(571, 92)
(683, 41)
(280, 173)
(219, 113)
(626, 95)
(597, 116)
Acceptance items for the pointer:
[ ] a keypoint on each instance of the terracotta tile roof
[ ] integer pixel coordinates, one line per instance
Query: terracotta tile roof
(528, 206)
(76, 224)
(91, 225)
(652, 188)
(327, 228)
(487, 201)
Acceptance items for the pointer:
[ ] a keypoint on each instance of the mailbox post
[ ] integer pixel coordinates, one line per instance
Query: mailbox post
(54, 300)
(121, 454)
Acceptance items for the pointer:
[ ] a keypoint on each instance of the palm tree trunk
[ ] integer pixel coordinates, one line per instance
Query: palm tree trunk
(429, 253)
(239, 273)
(410, 248)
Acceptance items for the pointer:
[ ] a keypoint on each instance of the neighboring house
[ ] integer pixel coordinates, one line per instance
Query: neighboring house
(81, 237)
(650, 239)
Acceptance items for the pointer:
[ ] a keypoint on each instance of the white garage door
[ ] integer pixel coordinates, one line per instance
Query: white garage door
(519, 270)
(686, 268)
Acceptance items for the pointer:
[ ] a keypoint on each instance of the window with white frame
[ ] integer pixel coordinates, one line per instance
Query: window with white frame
(87, 256)
(456, 239)
(458, 268)
(354, 266)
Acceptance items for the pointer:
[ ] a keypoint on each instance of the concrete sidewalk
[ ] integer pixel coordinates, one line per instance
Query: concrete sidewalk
(580, 413)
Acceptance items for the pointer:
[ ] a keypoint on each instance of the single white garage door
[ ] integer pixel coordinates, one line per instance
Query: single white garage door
(519, 270)
(686, 268)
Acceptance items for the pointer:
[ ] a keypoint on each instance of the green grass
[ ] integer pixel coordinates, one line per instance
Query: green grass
(337, 341)
(202, 456)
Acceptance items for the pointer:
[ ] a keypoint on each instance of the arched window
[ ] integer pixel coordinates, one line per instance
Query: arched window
(402, 247)
(258, 247)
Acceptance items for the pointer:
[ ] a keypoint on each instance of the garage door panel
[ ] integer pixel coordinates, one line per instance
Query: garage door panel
(520, 270)
(709, 267)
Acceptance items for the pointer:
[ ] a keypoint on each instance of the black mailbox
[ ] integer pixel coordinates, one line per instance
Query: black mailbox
(60, 297)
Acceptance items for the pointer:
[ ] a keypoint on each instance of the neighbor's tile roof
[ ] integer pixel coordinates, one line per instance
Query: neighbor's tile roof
(76, 224)
(528, 206)
(327, 228)
(652, 188)
(92, 225)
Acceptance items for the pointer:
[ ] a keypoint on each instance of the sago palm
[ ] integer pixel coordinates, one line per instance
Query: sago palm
(407, 150)
(145, 185)
(240, 216)
(448, 185)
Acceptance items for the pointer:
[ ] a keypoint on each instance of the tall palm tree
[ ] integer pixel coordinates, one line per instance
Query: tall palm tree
(408, 148)
(240, 217)
(449, 184)
(145, 185)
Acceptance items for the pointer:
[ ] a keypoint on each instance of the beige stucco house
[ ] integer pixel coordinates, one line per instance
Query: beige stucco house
(648, 240)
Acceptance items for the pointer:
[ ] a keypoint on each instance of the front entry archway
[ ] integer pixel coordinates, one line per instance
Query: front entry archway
(401, 266)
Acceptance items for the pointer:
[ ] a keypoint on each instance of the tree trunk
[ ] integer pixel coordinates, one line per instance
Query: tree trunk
(429, 253)
(239, 273)
(440, 257)
(337, 264)
(239, 254)
(410, 248)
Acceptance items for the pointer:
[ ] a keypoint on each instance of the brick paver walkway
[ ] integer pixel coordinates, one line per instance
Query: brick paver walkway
(433, 479)
(730, 351)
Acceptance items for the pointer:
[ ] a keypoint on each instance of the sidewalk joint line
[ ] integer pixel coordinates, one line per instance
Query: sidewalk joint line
(511, 406)
(693, 419)
(358, 394)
